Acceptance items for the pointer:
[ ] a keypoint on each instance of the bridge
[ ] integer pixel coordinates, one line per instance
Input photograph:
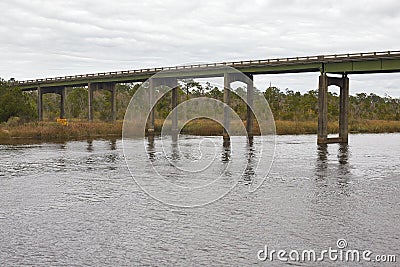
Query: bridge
(341, 65)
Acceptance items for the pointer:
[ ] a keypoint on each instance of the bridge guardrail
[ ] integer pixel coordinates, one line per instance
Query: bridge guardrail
(289, 60)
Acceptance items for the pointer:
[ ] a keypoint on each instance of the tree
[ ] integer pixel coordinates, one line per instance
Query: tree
(14, 103)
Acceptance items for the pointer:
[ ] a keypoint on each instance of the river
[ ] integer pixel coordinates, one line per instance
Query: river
(76, 204)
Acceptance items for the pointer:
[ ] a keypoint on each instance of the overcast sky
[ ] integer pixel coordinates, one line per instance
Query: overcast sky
(54, 38)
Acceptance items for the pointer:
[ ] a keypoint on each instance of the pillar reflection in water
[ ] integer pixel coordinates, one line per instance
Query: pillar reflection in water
(249, 172)
(322, 153)
(343, 153)
(343, 158)
(89, 145)
(113, 144)
(175, 153)
(150, 147)
(328, 168)
(226, 151)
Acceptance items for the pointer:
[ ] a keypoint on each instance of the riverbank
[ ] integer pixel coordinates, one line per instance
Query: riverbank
(76, 130)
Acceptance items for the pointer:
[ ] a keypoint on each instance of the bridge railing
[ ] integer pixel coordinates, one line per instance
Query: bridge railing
(289, 60)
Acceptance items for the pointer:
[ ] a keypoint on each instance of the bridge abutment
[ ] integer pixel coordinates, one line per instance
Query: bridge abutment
(343, 83)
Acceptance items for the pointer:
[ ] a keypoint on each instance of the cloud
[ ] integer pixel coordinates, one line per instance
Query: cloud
(51, 38)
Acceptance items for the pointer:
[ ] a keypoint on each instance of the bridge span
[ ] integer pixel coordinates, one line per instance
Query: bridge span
(341, 65)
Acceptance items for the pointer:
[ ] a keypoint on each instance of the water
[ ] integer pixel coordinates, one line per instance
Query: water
(76, 204)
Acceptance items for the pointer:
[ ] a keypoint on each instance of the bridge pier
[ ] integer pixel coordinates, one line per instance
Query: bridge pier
(40, 103)
(227, 98)
(113, 91)
(62, 93)
(343, 83)
(344, 111)
(90, 101)
(228, 79)
(102, 86)
(249, 112)
(150, 121)
(54, 90)
(174, 101)
(173, 84)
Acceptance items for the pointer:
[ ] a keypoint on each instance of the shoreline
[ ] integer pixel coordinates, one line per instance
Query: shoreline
(80, 130)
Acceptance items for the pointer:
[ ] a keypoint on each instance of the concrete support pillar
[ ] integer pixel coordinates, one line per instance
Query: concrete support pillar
(113, 102)
(323, 109)
(344, 110)
(343, 84)
(40, 103)
(174, 99)
(249, 113)
(150, 122)
(227, 96)
(90, 101)
(62, 102)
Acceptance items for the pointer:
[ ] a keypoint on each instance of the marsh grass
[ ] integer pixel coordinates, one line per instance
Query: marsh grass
(57, 131)
(82, 130)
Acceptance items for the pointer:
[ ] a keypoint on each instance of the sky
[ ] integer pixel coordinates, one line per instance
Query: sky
(41, 38)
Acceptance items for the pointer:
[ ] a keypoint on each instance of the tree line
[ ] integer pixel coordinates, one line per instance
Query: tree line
(290, 105)
(285, 104)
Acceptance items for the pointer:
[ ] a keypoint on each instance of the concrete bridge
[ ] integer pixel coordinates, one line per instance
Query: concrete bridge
(341, 65)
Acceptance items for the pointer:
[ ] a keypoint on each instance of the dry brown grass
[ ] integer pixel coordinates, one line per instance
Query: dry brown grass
(374, 126)
(56, 131)
(83, 130)
(208, 127)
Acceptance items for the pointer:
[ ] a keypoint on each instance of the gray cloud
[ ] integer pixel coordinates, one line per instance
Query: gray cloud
(52, 38)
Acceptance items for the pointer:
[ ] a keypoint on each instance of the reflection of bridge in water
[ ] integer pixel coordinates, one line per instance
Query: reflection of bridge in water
(340, 65)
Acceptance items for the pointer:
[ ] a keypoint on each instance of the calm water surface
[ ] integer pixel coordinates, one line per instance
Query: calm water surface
(76, 204)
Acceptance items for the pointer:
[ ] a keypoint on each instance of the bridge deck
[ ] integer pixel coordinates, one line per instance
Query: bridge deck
(373, 62)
